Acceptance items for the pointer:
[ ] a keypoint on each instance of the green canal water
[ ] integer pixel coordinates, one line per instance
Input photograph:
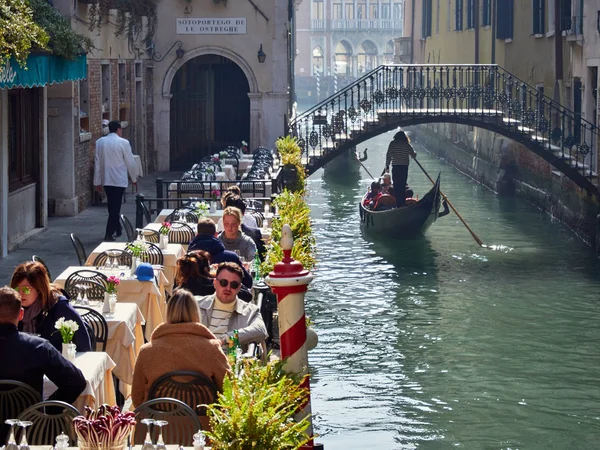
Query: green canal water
(436, 343)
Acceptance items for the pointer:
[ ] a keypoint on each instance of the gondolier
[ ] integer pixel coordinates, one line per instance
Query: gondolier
(398, 154)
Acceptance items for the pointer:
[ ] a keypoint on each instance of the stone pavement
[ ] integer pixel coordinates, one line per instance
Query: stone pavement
(54, 245)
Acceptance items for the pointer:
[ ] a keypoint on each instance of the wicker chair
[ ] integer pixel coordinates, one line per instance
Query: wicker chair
(95, 281)
(97, 323)
(124, 258)
(192, 388)
(49, 419)
(15, 397)
(182, 215)
(154, 255)
(150, 235)
(183, 421)
(181, 233)
(79, 249)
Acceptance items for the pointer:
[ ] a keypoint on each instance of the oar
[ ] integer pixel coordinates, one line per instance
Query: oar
(363, 166)
(479, 241)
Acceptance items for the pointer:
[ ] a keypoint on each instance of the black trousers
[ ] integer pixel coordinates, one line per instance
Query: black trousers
(399, 177)
(114, 198)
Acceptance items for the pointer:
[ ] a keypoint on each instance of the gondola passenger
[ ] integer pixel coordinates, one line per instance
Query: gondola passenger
(373, 195)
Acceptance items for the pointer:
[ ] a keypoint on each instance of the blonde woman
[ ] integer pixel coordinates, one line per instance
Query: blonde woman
(182, 343)
(232, 237)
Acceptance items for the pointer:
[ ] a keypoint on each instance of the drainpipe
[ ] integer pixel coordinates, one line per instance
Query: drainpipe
(558, 51)
(493, 61)
(412, 32)
(476, 25)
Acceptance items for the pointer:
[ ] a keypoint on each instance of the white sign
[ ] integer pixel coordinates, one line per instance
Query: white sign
(227, 25)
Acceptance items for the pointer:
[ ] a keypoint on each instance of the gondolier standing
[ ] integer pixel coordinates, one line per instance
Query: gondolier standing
(398, 154)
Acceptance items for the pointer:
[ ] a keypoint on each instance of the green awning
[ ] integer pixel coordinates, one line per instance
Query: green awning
(41, 70)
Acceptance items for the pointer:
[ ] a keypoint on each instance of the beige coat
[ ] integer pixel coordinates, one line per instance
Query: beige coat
(181, 346)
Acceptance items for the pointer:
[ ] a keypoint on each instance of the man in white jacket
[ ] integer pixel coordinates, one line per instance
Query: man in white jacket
(112, 161)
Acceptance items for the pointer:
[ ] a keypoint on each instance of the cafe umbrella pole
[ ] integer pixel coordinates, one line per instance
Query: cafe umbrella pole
(289, 281)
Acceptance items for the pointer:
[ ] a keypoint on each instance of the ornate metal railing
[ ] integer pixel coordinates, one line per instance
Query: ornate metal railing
(481, 95)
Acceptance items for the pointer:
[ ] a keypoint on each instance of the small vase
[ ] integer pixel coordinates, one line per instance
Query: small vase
(68, 351)
(164, 241)
(106, 304)
(213, 207)
(135, 261)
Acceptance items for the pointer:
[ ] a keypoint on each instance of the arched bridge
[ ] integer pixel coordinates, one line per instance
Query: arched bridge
(485, 96)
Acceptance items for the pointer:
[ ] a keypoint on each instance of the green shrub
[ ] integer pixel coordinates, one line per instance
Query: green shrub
(19, 33)
(294, 173)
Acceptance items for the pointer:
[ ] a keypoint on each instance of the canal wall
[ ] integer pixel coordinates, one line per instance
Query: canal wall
(509, 168)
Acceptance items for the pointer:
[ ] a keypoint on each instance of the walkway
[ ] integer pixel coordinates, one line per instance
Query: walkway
(54, 244)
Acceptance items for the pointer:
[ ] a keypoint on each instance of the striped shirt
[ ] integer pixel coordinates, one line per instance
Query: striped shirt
(398, 153)
(219, 322)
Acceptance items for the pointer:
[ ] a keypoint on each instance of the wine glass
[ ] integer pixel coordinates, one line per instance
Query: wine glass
(148, 445)
(160, 443)
(85, 300)
(24, 424)
(11, 444)
(79, 299)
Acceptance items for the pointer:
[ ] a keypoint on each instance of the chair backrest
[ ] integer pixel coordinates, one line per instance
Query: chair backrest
(98, 324)
(124, 258)
(15, 397)
(181, 233)
(95, 281)
(146, 212)
(192, 388)
(182, 215)
(154, 255)
(128, 227)
(151, 235)
(49, 419)
(79, 249)
(36, 258)
(183, 421)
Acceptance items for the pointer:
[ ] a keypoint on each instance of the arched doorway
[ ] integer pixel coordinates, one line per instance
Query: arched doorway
(367, 57)
(343, 58)
(210, 109)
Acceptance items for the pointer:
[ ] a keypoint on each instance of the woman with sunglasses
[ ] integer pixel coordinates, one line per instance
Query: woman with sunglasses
(193, 273)
(44, 304)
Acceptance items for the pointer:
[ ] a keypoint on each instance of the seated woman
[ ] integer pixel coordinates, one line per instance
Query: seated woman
(182, 343)
(373, 195)
(232, 237)
(193, 273)
(386, 184)
(44, 304)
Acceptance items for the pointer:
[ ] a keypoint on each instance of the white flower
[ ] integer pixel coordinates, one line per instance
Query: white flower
(59, 323)
(71, 324)
(244, 143)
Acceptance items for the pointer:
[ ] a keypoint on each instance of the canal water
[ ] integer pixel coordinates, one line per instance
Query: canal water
(436, 343)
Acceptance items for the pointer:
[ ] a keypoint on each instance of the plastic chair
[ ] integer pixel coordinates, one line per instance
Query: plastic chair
(97, 323)
(183, 421)
(49, 419)
(181, 233)
(15, 397)
(128, 227)
(79, 249)
(192, 388)
(154, 255)
(36, 258)
(96, 283)
(124, 258)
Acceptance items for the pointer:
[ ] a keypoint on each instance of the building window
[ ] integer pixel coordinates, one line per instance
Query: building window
(361, 10)
(539, 16)
(343, 59)
(470, 14)
(317, 60)
(565, 15)
(505, 12)
(385, 11)
(397, 11)
(23, 136)
(373, 13)
(337, 11)
(426, 25)
(551, 16)
(317, 10)
(349, 7)
(486, 13)
(458, 16)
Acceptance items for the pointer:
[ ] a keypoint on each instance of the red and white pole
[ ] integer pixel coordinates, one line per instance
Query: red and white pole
(289, 281)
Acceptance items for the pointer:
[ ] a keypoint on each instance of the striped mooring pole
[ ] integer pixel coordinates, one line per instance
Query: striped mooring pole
(335, 77)
(318, 78)
(289, 282)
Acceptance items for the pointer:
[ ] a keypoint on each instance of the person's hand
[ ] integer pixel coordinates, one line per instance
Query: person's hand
(98, 189)
(414, 156)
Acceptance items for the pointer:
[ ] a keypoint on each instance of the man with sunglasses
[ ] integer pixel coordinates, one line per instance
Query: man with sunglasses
(224, 312)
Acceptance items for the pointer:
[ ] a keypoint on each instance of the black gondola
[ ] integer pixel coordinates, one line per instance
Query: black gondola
(407, 221)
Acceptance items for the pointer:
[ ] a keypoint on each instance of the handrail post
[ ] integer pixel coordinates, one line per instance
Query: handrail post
(159, 194)
(139, 211)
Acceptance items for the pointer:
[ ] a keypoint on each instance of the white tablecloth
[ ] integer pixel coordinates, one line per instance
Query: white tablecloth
(97, 369)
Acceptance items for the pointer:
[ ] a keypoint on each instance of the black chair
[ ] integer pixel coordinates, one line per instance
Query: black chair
(183, 421)
(49, 419)
(79, 249)
(124, 258)
(146, 213)
(128, 227)
(94, 281)
(97, 323)
(15, 397)
(36, 258)
(181, 233)
(192, 388)
(154, 255)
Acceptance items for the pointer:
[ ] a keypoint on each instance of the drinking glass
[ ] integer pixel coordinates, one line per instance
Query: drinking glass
(24, 424)
(148, 445)
(11, 444)
(85, 300)
(160, 443)
(79, 299)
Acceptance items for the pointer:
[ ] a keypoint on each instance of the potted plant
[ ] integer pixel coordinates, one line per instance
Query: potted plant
(164, 234)
(67, 329)
(103, 429)
(201, 208)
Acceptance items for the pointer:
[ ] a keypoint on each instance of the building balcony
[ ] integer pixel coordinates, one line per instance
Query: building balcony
(356, 25)
(573, 28)
(401, 49)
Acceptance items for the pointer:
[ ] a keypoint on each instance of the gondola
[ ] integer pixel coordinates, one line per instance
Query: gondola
(407, 221)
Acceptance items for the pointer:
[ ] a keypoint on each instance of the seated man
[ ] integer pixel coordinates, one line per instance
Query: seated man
(27, 358)
(223, 312)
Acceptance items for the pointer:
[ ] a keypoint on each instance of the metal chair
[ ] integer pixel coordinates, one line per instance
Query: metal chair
(128, 227)
(79, 249)
(94, 281)
(49, 419)
(192, 388)
(183, 421)
(150, 235)
(36, 258)
(97, 323)
(146, 213)
(124, 258)
(181, 233)
(154, 255)
(182, 215)
(15, 397)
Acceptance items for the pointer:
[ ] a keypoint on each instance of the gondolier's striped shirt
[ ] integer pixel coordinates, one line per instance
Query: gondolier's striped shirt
(398, 153)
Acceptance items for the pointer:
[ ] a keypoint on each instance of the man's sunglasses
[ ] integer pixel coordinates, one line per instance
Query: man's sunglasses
(23, 289)
(233, 284)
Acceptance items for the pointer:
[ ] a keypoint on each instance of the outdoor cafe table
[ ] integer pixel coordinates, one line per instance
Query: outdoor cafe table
(147, 295)
(97, 369)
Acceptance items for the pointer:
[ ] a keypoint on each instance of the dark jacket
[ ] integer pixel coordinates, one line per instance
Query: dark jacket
(199, 286)
(256, 236)
(218, 254)
(27, 358)
(45, 326)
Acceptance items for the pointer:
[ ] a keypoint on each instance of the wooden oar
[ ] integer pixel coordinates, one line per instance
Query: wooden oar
(479, 241)
(363, 166)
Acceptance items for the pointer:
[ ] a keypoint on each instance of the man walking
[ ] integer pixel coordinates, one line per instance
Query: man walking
(112, 162)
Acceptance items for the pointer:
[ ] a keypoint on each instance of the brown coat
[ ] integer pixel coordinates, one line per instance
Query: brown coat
(181, 346)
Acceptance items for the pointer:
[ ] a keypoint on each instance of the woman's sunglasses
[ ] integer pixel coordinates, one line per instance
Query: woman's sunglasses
(23, 289)
(233, 284)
